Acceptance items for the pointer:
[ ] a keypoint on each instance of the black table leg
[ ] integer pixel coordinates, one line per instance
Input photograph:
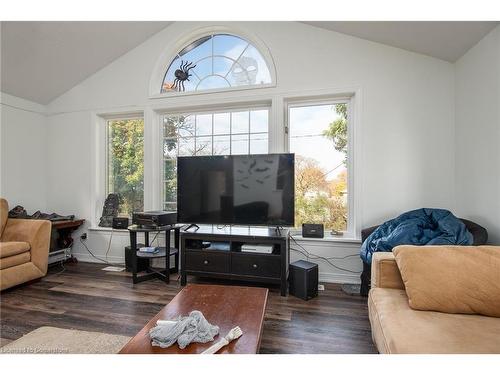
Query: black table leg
(283, 288)
(183, 262)
(177, 233)
(284, 264)
(133, 247)
(167, 255)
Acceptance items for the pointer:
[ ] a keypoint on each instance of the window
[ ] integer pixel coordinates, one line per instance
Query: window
(125, 163)
(318, 135)
(215, 133)
(217, 61)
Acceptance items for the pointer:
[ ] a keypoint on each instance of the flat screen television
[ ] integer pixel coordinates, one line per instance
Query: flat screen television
(236, 189)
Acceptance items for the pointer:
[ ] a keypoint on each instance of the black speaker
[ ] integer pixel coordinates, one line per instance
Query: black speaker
(303, 279)
(142, 263)
(313, 230)
(120, 223)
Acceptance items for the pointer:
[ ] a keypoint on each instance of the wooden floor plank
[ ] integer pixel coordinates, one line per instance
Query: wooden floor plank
(85, 297)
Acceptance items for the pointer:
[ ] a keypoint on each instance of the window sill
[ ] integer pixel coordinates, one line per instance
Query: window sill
(336, 239)
(296, 237)
(107, 230)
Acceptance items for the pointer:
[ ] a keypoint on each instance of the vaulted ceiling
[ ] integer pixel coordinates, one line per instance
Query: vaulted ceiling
(42, 60)
(445, 40)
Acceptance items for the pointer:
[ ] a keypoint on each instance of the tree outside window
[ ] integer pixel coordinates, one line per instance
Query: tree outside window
(236, 132)
(126, 163)
(318, 137)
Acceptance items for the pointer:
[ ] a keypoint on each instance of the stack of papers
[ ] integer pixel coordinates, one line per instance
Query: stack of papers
(149, 249)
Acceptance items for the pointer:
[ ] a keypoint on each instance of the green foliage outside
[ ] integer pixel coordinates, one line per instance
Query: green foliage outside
(317, 199)
(337, 130)
(173, 127)
(126, 163)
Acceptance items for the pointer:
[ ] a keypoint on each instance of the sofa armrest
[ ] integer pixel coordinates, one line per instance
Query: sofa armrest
(385, 271)
(36, 233)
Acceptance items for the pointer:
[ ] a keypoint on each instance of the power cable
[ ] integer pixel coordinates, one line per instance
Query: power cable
(308, 255)
(96, 257)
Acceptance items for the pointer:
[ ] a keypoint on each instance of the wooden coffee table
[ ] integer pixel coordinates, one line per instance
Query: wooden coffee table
(225, 306)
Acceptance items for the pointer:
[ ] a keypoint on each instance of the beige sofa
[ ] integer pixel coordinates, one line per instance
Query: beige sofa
(397, 328)
(24, 248)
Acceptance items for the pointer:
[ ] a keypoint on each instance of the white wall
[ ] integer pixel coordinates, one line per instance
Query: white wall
(24, 143)
(406, 133)
(477, 139)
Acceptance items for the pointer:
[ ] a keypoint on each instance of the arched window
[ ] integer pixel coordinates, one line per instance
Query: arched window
(216, 61)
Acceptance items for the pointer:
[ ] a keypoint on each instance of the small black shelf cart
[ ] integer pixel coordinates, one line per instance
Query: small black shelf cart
(151, 273)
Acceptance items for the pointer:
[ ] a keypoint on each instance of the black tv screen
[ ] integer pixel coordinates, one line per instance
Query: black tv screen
(237, 189)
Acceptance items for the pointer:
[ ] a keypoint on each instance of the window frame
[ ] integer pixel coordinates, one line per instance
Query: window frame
(106, 140)
(276, 100)
(163, 63)
(100, 157)
(212, 35)
(199, 111)
(352, 203)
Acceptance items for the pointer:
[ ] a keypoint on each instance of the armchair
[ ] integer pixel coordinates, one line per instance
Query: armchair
(24, 248)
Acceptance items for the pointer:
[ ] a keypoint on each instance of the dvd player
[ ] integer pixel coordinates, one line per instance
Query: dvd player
(154, 218)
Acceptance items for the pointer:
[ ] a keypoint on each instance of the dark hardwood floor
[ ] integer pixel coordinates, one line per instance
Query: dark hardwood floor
(86, 298)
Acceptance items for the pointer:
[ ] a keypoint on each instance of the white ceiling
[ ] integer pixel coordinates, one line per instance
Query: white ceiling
(446, 40)
(42, 60)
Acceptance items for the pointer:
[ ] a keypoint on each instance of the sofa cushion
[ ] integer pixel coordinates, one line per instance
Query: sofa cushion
(385, 271)
(4, 213)
(8, 249)
(15, 260)
(396, 328)
(452, 279)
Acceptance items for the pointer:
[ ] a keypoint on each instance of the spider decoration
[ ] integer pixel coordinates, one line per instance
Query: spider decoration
(182, 75)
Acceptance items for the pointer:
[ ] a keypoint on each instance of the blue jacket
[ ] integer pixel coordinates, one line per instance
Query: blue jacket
(425, 226)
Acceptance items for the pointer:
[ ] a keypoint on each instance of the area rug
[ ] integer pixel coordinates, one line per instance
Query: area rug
(53, 340)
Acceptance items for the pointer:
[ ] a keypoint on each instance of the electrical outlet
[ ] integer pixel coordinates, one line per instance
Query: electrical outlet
(83, 236)
(321, 287)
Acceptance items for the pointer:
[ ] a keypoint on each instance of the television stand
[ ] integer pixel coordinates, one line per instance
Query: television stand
(225, 259)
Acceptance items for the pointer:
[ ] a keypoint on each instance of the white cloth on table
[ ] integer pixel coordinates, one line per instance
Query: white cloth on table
(184, 330)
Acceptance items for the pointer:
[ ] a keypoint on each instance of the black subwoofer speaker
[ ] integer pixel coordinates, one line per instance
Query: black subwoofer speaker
(303, 279)
(142, 263)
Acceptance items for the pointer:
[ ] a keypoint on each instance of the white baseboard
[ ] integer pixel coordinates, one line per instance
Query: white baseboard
(338, 278)
(324, 277)
(90, 259)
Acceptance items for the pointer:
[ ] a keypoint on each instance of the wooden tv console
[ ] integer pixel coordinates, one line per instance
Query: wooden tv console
(229, 261)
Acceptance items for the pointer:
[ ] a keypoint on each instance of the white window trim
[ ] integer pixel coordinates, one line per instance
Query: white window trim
(278, 101)
(196, 110)
(353, 177)
(106, 140)
(99, 157)
(171, 52)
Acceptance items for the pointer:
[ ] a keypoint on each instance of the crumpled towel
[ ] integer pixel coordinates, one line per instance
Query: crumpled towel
(187, 329)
